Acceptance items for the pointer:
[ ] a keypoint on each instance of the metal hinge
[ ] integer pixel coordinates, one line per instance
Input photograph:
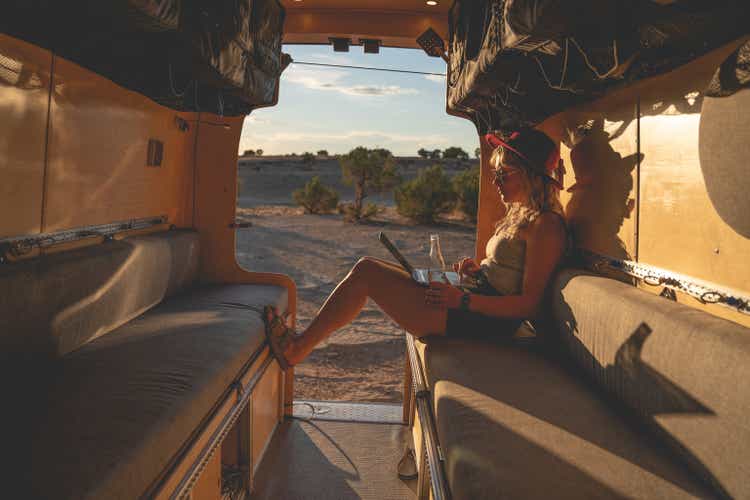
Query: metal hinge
(240, 225)
(238, 389)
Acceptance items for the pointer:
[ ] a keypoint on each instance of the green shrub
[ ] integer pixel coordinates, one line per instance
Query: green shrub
(315, 197)
(466, 187)
(455, 153)
(425, 197)
(308, 160)
(351, 214)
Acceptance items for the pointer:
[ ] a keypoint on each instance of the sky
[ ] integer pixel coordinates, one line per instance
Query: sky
(339, 109)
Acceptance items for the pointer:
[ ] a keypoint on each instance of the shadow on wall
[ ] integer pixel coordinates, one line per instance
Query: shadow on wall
(600, 199)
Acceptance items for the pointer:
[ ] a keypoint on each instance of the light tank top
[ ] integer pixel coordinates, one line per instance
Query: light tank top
(504, 264)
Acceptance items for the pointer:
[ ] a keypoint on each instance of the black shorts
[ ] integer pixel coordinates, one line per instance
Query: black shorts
(470, 324)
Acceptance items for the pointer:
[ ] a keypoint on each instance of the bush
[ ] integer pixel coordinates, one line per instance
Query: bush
(455, 153)
(351, 214)
(369, 171)
(425, 197)
(315, 197)
(308, 160)
(466, 187)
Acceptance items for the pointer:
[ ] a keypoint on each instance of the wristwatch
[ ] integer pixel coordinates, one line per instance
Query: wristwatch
(465, 299)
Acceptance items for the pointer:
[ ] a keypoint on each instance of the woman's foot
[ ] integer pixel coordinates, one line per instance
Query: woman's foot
(279, 335)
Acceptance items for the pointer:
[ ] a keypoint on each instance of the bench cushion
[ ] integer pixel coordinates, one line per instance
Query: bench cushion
(685, 372)
(53, 304)
(514, 423)
(115, 411)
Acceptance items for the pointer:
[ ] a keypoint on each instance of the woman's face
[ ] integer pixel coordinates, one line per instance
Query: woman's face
(509, 181)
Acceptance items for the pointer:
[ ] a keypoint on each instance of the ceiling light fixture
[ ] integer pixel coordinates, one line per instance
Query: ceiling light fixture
(340, 44)
(370, 46)
(431, 2)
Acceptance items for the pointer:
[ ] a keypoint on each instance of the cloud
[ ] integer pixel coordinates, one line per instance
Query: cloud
(354, 134)
(435, 78)
(255, 120)
(376, 90)
(333, 80)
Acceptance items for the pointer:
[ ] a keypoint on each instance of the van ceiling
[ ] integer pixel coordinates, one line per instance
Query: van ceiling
(396, 23)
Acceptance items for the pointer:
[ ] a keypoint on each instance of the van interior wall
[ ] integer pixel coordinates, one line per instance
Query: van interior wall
(74, 148)
(658, 175)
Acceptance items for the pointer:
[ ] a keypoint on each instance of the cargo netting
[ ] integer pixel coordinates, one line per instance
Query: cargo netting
(516, 62)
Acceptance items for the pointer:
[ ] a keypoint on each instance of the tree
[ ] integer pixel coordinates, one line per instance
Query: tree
(426, 196)
(477, 153)
(248, 152)
(308, 159)
(435, 154)
(259, 152)
(315, 197)
(368, 170)
(323, 152)
(455, 153)
(466, 187)
(424, 153)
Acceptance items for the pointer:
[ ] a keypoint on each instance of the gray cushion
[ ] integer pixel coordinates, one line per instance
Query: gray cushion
(686, 374)
(515, 424)
(52, 305)
(116, 411)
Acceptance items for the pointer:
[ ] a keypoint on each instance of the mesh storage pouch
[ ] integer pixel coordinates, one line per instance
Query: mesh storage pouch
(733, 75)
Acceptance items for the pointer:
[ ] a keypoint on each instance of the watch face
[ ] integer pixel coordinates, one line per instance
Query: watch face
(465, 301)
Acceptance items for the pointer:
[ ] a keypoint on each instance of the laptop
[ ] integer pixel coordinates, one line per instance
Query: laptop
(421, 276)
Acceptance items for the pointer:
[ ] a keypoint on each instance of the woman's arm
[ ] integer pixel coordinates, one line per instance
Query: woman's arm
(545, 244)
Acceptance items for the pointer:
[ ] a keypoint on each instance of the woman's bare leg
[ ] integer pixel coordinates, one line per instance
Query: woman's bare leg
(391, 289)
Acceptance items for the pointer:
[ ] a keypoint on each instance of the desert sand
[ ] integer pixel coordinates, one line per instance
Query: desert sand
(363, 362)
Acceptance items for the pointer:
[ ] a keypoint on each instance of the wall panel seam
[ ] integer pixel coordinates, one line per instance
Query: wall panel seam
(47, 134)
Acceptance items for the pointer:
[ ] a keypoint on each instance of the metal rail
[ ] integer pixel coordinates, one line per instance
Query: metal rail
(704, 291)
(435, 458)
(243, 398)
(17, 246)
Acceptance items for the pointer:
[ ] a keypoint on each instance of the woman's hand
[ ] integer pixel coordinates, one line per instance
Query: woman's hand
(467, 266)
(443, 296)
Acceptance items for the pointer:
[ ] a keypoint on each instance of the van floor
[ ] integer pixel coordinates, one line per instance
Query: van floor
(312, 458)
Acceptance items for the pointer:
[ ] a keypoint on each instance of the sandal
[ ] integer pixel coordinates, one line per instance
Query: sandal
(407, 466)
(278, 334)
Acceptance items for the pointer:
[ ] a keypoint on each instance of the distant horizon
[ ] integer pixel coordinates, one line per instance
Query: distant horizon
(297, 154)
(338, 109)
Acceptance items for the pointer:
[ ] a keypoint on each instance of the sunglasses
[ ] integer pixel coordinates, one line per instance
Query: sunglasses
(501, 173)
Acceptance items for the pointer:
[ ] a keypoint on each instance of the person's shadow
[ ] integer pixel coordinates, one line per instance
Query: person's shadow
(601, 197)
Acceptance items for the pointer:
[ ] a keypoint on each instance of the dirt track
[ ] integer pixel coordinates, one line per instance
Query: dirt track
(362, 362)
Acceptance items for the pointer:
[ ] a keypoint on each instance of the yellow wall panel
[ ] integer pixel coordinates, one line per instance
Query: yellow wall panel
(694, 201)
(24, 96)
(97, 153)
(265, 410)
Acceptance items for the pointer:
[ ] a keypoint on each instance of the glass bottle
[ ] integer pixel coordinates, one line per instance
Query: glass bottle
(437, 262)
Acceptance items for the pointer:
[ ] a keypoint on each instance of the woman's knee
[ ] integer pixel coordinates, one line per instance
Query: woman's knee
(365, 265)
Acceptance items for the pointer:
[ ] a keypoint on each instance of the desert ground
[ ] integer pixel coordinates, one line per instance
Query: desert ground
(363, 362)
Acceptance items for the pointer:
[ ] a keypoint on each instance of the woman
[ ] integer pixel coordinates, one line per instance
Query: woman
(506, 287)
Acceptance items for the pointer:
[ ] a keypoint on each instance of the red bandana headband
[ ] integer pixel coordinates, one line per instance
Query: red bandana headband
(553, 165)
